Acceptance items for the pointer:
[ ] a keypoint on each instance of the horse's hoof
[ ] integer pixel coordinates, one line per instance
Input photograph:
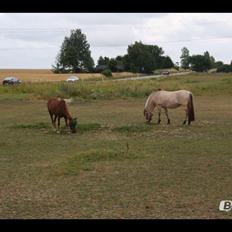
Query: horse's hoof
(58, 132)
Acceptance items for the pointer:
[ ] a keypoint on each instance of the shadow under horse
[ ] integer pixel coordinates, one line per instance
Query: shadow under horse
(58, 109)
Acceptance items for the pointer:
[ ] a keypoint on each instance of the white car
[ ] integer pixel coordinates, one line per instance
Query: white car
(73, 79)
(11, 81)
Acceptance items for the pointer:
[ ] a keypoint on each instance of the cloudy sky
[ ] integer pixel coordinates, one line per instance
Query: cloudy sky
(32, 40)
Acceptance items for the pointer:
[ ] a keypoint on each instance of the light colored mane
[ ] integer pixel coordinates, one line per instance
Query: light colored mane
(147, 104)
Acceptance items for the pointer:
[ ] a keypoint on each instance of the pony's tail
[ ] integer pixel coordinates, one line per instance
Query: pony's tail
(191, 114)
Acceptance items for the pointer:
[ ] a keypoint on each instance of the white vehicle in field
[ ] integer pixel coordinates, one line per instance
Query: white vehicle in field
(11, 81)
(73, 79)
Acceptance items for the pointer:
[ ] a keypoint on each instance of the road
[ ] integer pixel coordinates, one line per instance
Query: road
(150, 76)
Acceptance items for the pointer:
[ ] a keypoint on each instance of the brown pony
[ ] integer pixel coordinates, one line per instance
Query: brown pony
(57, 108)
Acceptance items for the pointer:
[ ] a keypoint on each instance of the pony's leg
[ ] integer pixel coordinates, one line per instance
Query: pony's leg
(186, 116)
(58, 124)
(159, 114)
(51, 116)
(66, 123)
(54, 122)
(166, 113)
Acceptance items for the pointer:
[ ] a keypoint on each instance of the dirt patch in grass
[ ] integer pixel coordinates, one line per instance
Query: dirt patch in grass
(85, 160)
(133, 128)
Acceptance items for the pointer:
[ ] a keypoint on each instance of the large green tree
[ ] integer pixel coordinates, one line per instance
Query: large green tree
(166, 62)
(199, 63)
(211, 59)
(114, 64)
(75, 54)
(184, 58)
(103, 60)
(143, 58)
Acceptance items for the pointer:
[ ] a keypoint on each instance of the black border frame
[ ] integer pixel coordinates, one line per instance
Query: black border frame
(114, 6)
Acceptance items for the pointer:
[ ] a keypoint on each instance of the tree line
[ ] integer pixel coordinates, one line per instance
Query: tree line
(75, 56)
(202, 63)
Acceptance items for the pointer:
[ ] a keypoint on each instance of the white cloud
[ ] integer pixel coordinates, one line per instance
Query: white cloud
(40, 35)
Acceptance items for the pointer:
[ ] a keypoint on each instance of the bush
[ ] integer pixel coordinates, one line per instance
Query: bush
(225, 68)
(107, 73)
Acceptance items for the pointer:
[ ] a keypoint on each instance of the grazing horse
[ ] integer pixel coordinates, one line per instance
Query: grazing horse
(57, 108)
(169, 99)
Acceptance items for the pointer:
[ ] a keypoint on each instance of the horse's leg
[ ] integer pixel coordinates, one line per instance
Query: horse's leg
(58, 123)
(166, 113)
(159, 114)
(51, 116)
(186, 116)
(66, 123)
(54, 122)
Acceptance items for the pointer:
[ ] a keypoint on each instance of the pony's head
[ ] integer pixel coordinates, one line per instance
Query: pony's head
(73, 125)
(148, 115)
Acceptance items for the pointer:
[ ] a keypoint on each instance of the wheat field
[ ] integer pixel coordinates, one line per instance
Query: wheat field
(46, 75)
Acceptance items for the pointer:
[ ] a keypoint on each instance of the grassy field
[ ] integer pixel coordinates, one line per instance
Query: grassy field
(116, 166)
(46, 75)
(199, 84)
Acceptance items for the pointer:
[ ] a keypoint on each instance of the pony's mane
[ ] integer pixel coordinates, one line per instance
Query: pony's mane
(148, 99)
(145, 107)
(62, 101)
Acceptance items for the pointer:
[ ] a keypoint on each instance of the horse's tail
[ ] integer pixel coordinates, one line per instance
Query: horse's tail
(191, 114)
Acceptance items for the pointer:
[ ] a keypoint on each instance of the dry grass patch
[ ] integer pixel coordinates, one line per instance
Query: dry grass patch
(46, 75)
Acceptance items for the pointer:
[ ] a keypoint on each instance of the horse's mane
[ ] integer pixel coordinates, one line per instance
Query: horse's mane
(64, 106)
(149, 98)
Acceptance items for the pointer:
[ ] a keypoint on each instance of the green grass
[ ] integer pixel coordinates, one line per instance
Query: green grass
(199, 83)
(116, 166)
(39, 125)
(133, 128)
(85, 160)
(88, 127)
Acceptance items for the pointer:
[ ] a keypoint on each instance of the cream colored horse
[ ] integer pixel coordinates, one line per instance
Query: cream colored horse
(169, 100)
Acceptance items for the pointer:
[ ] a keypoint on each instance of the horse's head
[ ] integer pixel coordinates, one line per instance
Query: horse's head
(148, 115)
(73, 125)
